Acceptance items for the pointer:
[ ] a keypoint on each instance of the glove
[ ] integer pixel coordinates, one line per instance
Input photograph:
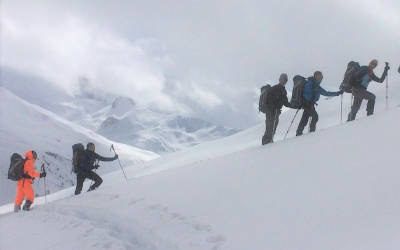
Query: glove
(387, 67)
(341, 92)
(116, 157)
(96, 166)
(43, 174)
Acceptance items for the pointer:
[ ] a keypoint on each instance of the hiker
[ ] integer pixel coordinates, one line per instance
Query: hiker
(363, 77)
(87, 163)
(276, 98)
(24, 185)
(311, 94)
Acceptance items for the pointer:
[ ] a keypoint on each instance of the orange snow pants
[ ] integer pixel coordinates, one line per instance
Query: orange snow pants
(24, 191)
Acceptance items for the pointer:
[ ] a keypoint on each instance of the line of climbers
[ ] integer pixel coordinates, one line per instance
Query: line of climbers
(22, 170)
(306, 94)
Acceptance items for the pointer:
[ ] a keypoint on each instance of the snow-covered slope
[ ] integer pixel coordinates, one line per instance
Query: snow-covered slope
(122, 119)
(24, 126)
(157, 131)
(116, 117)
(320, 191)
(329, 116)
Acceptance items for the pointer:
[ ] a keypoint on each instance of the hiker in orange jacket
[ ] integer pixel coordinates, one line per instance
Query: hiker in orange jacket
(24, 186)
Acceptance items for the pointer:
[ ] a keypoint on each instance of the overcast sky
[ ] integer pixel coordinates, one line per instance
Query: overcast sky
(202, 57)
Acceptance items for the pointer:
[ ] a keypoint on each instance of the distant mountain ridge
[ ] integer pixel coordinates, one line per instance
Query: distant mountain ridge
(119, 118)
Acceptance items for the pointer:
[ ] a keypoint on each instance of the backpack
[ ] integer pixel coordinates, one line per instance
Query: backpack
(16, 170)
(262, 103)
(297, 94)
(350, 77)
(78, 150)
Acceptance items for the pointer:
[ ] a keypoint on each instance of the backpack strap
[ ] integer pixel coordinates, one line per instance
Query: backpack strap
(25, 175)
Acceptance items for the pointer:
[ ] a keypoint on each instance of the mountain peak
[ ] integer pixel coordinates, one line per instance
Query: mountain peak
(122, 101)
(122, 105)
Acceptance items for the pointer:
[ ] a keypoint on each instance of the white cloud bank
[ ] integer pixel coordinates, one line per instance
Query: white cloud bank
(204, 57)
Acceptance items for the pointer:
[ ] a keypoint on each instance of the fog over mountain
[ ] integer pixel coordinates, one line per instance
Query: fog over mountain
(203, 57)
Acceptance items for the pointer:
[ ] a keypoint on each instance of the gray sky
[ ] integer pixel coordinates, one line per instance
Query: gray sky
(202, 57)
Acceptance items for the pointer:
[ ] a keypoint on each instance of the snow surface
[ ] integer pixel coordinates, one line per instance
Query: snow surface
(24, 126)
(334, 189)
(320, 191)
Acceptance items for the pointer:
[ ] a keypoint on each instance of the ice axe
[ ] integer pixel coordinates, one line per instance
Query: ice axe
(122, 168)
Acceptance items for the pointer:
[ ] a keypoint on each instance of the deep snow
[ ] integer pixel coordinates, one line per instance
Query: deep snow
(24, 126)
(322, 191)
(334, 189)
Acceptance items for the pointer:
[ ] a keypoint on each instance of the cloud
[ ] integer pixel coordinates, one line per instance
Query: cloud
(204, 57)
(70, 49)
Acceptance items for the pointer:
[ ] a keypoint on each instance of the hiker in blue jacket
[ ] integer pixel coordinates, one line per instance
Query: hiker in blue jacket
(311, 94)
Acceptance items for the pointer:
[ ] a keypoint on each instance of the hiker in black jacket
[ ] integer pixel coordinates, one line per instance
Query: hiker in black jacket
(363, 77)
(88, 162)
(276, 98)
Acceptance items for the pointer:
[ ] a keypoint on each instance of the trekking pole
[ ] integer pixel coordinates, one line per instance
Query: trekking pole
(341, 109)
(44, 182)
(122, 168)
(44, 179)
(387, 91)
(291, 124)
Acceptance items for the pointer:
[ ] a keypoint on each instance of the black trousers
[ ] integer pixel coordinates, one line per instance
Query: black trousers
(309, 111)
(271, 123)
(359, 95)
(82, 176)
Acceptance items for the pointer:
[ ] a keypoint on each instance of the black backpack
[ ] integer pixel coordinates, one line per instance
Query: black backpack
(16, 170)
(350, 77)
(262, 103)
(297, 93)
(78, 151)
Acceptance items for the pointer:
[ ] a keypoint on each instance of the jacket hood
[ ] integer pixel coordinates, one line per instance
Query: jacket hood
(29, 155)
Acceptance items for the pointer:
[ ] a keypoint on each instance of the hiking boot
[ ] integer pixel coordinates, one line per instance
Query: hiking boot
(266, 141)
(17, 208)
(27, 205)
